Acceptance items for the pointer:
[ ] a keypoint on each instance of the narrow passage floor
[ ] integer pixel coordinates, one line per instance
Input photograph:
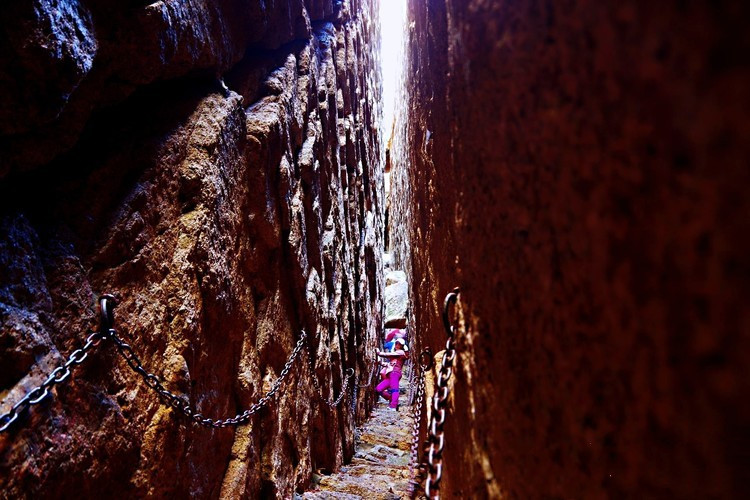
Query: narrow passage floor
(380, 467)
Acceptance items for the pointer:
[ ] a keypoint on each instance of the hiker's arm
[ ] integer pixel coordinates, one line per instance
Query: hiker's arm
(395, 354)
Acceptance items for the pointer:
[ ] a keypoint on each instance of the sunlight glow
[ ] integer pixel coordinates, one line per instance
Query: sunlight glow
(392, 26)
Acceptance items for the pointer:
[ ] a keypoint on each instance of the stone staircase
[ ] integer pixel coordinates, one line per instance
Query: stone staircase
(380, 467)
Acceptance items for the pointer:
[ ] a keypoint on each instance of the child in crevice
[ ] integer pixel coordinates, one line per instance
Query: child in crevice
(388, 388)
(391, 335)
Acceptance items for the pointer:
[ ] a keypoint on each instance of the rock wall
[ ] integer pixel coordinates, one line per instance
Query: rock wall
(580, 170)
(226, 214)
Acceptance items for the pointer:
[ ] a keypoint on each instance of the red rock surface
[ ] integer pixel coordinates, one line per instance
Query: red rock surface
(580, 169)
(226, 221)
(61, 60)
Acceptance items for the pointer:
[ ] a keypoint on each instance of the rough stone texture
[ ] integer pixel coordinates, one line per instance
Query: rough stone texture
(396, 301)
(580, 169)
(61, 60)
(394, 277)
(379, 469)
(225, 220)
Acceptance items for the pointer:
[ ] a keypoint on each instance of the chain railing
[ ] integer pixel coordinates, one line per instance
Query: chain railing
(373, 371)
(416, 471)
(440, 402)
(349, 373)
(355, 396)
(58, 376)
(179, 404)
(107, 331)
(430, 471)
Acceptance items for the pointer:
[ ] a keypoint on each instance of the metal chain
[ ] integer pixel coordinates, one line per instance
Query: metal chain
(58, 375)
(107, 332)
(316, 383)
(436, 438)
(355, 396)
(373, 371)
(355, 383)
(179, 404)
(416, 470)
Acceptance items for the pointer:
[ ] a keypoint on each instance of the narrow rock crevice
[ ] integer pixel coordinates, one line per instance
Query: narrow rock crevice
(381, 463)
(579, 169)
(223, 237)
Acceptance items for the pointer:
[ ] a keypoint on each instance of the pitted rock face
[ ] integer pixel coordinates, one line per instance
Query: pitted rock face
(48, 48)
(61, 61)
(226, 221)
(579, 169)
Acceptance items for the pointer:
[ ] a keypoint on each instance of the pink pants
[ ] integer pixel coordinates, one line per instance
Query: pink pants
(391, 382)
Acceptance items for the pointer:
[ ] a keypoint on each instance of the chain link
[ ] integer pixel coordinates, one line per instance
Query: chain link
(373, 371)
(58, 376)
(179, 404)
(106, 332)
(416, 469)
(436, 440)
(355, 396)
(355, 384)
(437, 422)
(331, 403)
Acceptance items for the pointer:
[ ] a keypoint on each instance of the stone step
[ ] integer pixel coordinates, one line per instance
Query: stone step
(380, 467)
(328, 495)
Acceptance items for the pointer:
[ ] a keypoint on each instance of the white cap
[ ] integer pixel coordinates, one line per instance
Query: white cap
(401, 341)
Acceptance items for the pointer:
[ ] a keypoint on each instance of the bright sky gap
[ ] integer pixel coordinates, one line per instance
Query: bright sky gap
(392, 21)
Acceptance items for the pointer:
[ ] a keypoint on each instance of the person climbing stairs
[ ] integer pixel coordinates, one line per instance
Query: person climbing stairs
(380, 466)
